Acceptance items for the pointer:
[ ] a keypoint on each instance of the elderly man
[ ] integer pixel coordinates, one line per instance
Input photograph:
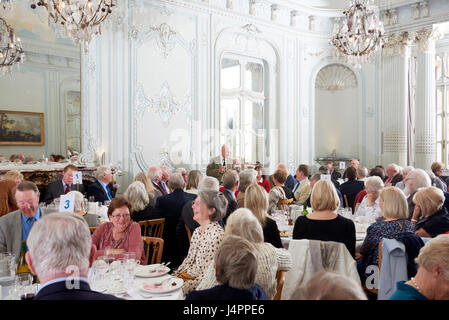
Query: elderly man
(290, 182)
(170, 207)
(15, 226)
(231, 182)
(100, 189)
(63, 185)
(164, 179)
(405, 172)
(183, 172)
(334, 174)
(219, 164)
(394, 175)
(155, 175)
(355, 164)
(61, 260)
(302, 189)
(416, 179)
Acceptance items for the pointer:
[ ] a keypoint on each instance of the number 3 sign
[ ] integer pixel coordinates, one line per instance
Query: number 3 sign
(67, 203)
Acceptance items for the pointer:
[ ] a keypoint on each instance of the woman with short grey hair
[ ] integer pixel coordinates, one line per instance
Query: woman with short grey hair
(369, 207)
(78, 207)
(208, 209)
(244, 224)
(247, 177)
(137, 196)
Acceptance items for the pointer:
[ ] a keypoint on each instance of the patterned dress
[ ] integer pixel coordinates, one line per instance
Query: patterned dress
(374, 235)
(201, 253)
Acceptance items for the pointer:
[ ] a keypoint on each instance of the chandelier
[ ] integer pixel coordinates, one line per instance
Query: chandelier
(11, 52)
(359, 35)
(76, 19)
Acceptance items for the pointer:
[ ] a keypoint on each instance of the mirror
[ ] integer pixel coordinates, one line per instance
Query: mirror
(48, 82)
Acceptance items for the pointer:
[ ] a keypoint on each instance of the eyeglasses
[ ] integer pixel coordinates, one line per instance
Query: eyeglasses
(118, 216)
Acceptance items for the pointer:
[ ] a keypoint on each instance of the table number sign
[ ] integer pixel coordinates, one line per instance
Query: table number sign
(67, 203)
(325, 177)
(342, 165)
(77, 177)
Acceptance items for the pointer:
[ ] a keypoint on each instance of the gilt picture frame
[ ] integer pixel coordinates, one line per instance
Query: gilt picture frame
(21, 128)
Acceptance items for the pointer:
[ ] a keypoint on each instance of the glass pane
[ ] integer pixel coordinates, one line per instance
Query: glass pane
(230, 74)
(438, 68)
(254, 141)
(439, 152)
(254, 77)
(439, 100)
(439, 128)
(230, 124)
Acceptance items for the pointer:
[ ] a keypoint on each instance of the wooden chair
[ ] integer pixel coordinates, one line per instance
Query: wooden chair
(155, 246)
(379, 264)
(92, 229)
(280, 278)
(189, 234)
(143, 227)
(155, 227)
(346, 201)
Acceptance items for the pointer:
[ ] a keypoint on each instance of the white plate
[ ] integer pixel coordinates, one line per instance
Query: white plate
(168, 285)
(151, 271)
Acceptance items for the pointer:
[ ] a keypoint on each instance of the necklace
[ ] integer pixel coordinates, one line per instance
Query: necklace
(415, 284)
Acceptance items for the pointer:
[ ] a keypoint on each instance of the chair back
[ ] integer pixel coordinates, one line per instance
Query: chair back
(280, 279)
(155, 227)
(189, 233)
(346, 201)
(143, 227)
(153, 249)
(375, 290)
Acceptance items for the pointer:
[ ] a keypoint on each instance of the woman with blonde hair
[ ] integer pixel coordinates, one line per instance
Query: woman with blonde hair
(323, 223)
(394, 208)
(153, 193)
(244, 224)
(193, 180)
(430, 217)
(7, 185)
(256, 200)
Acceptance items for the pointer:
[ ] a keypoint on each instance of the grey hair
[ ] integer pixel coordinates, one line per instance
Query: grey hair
(209, 183)
(176, 181)
(247, 177)
(137, 196)
(436, 251)
(78, 204)
(374, 183)
(407, 169)
(58, 241)
(420, 179)
(154, 173)
(101, 171)
(362, 171)
(214, 200)
(236, 263)
(275, 194)
(230, 179)
(395, 166)
(323, 170)
(244, 224)
(329, 285)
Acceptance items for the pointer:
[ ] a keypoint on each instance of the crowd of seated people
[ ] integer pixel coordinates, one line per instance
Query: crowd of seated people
(235, 248)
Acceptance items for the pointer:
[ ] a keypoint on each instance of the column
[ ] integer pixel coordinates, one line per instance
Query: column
(395, 62)
(425, 113)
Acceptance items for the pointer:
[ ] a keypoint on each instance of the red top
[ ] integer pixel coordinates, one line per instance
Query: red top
(132, 241)
(359, 197)
(265, 183)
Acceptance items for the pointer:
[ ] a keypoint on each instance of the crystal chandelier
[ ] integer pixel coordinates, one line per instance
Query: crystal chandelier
(77, 19)
(11, 52)
(359, 35)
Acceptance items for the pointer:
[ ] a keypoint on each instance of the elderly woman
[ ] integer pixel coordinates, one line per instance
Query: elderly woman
(247, 178)
(152, 192)
(438, 169)
(416, 179)
(235, 266)
(393, 204)
(429, 216)
(432, 279)
(193, 180)
(78, 207)
(276, 194)
(244, 224)
(138, 198)
(121, 234)
(436, 182)
(256, 200)
(323, 223)
(208, 209)
(370, 203)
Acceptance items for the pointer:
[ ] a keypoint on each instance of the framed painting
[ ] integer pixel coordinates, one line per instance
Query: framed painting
(21, 128)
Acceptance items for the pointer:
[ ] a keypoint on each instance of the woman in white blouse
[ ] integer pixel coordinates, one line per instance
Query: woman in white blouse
(369, 207)
(208, 209)
(244, 224)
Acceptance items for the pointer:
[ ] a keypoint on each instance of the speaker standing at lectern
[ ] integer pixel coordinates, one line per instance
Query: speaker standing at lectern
(218, 165)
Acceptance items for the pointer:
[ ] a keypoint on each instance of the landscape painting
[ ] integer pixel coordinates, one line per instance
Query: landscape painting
(21, 128)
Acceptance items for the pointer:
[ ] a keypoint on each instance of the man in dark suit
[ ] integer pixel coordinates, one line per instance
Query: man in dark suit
(290, 181)
(170, 207)
(163, 183)
(335, 175)
(230, 182)
(62, 263)
(352, 187)
(394, 175)
(155, 175)
(63, 185)
(100, 189)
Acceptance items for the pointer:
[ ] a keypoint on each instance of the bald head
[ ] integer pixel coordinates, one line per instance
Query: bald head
(225, 151)
(355, 163)
(282, 166)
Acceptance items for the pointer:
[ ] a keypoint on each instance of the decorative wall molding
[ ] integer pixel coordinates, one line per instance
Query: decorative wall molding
(397, 43)
(394, 143)
(335, 77)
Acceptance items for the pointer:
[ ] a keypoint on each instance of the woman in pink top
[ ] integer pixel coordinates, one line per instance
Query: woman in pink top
(121, 234)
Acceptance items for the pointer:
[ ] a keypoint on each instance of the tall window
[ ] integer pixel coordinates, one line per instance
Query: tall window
(243, 102)
(442, 105)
